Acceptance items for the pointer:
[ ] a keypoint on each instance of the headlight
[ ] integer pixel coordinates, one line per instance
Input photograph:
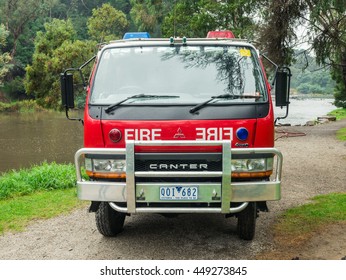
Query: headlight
(258, 167)
(105, 168)
(109, 165)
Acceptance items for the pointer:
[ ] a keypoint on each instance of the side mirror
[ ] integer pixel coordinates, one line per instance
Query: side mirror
(67, 91)
(282, 87)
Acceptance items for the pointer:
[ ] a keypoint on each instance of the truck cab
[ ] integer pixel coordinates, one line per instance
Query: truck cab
(176, 126)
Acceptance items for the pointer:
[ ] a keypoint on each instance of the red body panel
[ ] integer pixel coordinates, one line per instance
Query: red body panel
(261, 134)
(93, 136)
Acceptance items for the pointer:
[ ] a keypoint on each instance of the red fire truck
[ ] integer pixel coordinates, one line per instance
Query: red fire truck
(176, 126)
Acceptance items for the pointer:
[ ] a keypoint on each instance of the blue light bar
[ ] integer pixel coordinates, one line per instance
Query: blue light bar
(134, 35)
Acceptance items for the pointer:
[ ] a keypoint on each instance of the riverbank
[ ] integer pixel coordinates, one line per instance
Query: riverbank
(22, 106)
(40, 192)
(43, 177)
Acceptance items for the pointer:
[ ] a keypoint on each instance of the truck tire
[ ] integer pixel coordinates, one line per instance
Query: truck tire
(247, 222)
(108, 221)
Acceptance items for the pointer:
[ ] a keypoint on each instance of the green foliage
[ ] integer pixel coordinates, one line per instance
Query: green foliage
(196, 18)
(45, 177)
(22, 18)
(8, 107)
(17, 16)
(147, 15)
(23, 106)
(3, 35)
(5, 58)
(56, 32)
(277, 32)
(13, 88)
(328, 25)
(309, 82)
(308, 77)
(340, 88)
(122, 5)
(107, 23)
(55, 50)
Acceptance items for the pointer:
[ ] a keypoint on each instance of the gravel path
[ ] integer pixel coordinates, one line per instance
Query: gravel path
(313, 164)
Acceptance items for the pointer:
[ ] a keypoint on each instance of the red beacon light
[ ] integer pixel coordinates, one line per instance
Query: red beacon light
(220, 34)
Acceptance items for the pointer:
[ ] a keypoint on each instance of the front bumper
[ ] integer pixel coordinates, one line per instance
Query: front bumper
(140, 197)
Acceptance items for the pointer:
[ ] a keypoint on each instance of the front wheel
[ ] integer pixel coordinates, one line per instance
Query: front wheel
(108, 221)
(247, 222)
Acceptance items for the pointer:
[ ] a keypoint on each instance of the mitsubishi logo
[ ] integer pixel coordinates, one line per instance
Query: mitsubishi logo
(179, 134)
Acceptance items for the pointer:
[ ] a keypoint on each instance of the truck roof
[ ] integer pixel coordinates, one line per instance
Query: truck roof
(175, 41)
(183, 40)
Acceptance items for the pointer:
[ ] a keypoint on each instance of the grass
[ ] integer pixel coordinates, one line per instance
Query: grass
(338, 113)
(17, 213)
(40, 192)
(341, 134)
(45, 177)
(297, 224)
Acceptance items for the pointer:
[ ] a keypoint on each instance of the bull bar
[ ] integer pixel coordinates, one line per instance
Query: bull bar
(131, 193)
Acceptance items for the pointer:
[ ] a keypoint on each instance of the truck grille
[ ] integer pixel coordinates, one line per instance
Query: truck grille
(188, 162)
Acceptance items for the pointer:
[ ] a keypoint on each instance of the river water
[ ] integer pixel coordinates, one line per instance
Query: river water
(304, 110)
(31, 138)
(27, 139)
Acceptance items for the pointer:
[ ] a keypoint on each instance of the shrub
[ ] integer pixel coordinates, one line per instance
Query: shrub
(45, 177)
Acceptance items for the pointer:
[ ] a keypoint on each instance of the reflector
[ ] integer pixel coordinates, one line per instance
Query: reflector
(115, 135)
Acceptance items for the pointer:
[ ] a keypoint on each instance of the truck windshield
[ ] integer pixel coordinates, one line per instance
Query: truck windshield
(191, 73)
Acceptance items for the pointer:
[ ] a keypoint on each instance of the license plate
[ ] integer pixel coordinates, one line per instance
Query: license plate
(179, 193)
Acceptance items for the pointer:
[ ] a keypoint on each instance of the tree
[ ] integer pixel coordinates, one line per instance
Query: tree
(328, 34)
(55, 50)
(326, 22)
(196, 18)
(79, 11)
(22, 19)
(16, 15)
(309, 76)
(4, 57)
(147, 15)
(107, 23)
(277, 36)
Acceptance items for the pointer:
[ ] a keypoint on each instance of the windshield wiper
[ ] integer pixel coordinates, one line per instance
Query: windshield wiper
(138, 96)
(222, 96)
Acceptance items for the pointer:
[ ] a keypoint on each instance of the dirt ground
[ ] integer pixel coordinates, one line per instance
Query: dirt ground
(325, 244)
(325, 167)
(314, 164)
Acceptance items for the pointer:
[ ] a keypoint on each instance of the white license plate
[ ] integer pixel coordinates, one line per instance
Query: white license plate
(179, 193)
